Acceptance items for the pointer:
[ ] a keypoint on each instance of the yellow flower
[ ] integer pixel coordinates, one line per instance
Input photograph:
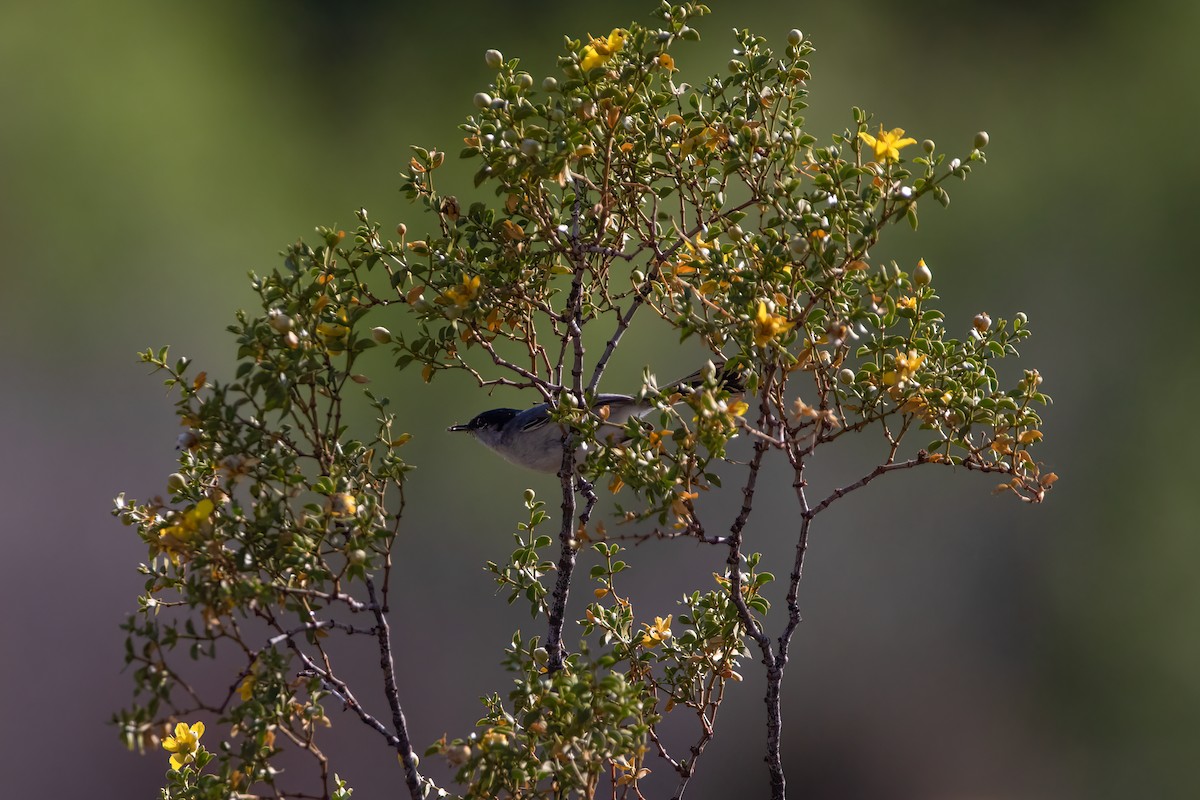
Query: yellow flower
(906, 366)
(495, 738)
(173, 539)
(190, 521)
(342, 504)
(666, 62)
(629, 773)
(657, 633)
(737, 408)
(464, 293)
(599, 52)
(246, 689)
(887, 145)
(184, 744)
(909, 302)
(511, 231)
(679, 506)
(767, 325)
(708, 137)
(699, 247)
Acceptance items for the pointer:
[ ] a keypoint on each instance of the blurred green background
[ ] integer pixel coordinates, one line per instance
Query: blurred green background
(955, 644)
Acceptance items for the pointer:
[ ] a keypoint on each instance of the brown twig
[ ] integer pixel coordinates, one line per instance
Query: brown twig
(402, 744)
(921, 458)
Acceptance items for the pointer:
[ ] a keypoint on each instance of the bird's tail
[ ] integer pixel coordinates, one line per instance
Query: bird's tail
(729, 377)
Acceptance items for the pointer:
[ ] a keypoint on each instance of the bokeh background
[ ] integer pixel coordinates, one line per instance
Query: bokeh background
(955, 644)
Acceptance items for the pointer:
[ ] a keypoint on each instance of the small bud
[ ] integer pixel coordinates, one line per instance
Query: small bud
(922, 275)
(982, 322)
(482, 100)
(795, 36)
(540, 655)
(549, 84)
(981, 140)
(928, 146)
(291, 340)
(524, 81)
(1022, 317)
(281, 322)
(798, 245)
(175, 482)
(494, 59)
(846, 376)
(531, 147)
(457, 756)
(358, 557)
(401, 230)
(734, 66)
(381, 335)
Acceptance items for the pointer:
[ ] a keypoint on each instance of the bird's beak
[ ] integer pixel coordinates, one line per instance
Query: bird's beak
(459, 428)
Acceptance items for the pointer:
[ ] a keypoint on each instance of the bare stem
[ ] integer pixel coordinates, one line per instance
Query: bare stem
(403, 744)
(753, 628)
(566, 559)
(882, 469)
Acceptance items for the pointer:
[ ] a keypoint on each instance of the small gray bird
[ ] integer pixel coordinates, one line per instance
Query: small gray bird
(529, 439)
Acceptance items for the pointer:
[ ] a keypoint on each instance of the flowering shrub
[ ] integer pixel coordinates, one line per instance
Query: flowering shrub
(622, 193)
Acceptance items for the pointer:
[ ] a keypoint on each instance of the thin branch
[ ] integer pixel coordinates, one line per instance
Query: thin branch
(921, 458)
(622, 325)
(573, 337)
(403, 745)
(566, 557)
(548, 389)
(329, 597)
(793, 595)
(753, 628)
(338, 688)
(692, 531)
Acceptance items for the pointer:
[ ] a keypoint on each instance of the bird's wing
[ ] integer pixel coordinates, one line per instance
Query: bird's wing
(533, 418)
